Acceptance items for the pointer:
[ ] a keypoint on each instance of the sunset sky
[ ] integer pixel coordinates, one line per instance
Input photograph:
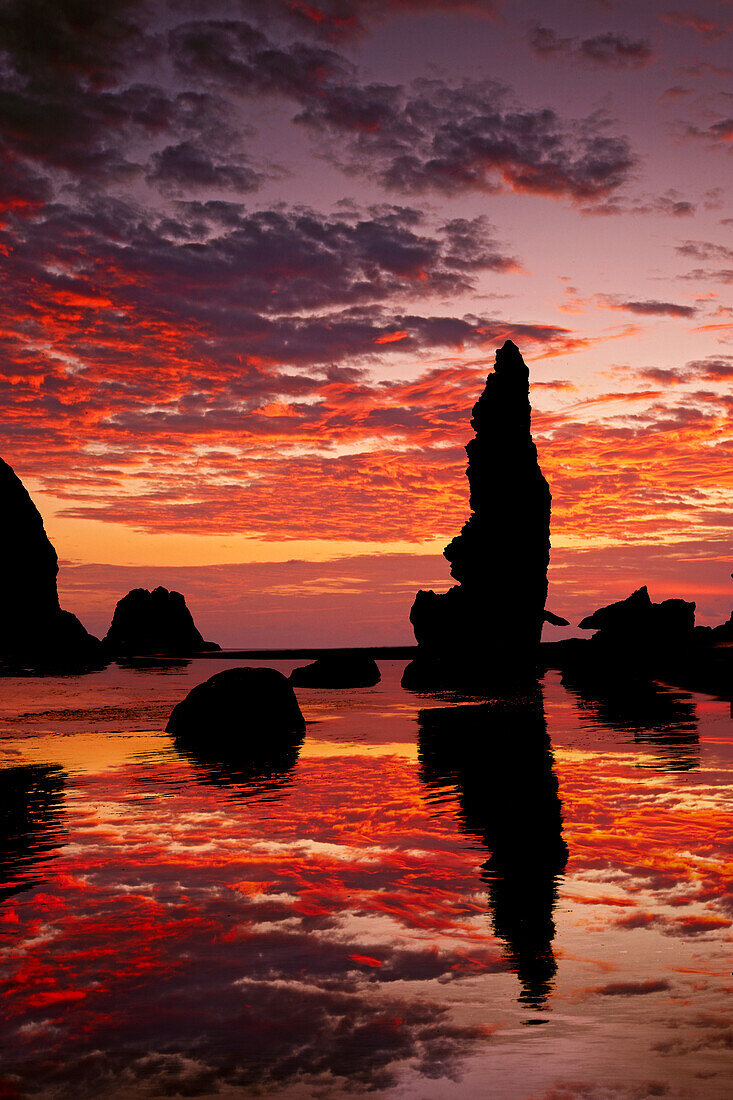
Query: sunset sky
(256, 259)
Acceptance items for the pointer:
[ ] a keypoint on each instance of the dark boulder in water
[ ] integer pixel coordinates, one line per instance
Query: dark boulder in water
(154, 622)
(34, 630)
(248, 708)
(485, 631)
(338, 670)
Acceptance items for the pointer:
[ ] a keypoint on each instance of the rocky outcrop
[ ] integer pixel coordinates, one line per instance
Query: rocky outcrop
(555, 620)
(34, 630)
(637, 621)
(338, 670)
(724, 632)
(637, 641)
(154, 622)
(485, 631)
(245, 708)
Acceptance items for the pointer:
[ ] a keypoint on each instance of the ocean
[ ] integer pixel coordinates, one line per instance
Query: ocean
(429, 898)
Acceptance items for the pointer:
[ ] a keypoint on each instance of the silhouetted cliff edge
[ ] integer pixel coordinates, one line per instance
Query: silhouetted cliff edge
(34, 630)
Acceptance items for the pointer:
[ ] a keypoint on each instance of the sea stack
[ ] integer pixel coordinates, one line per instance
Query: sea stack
(483, 634)
(34, 631)
(154, 622)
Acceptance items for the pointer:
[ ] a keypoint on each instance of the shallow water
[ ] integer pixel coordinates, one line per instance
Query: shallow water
(394, 909)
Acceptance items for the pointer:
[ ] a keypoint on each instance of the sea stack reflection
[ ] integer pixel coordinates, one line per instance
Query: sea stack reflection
(485, 631)
(499, 757)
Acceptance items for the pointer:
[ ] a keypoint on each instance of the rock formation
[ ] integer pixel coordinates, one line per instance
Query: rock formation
(338, 670)
(154, 622)
(555, 620)
(637, 621)
(244, 708)
(34, 630)
(485, 631)
(638, 641)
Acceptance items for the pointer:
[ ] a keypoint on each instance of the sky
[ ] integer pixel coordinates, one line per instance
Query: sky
(257, 256)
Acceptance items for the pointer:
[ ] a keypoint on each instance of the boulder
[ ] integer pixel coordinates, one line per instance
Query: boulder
(342, 670)
(154, 622)
(34, 630)
(242, 707)
(485, 631)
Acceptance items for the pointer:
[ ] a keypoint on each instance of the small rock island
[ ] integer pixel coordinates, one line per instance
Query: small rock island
(484, 632)
(147, 623)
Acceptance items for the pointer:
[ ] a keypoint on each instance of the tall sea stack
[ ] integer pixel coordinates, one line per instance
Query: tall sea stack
(483, 633)
(34, 630)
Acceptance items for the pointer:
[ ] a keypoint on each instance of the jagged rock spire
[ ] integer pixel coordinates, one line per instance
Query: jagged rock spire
(488, 626)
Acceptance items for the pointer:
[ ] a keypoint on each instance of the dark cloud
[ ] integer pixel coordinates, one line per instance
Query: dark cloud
(715, 368)
(21, 189)
(93, 118)
(334, 20)
(431, 135)
(670, 203)
(216, 256)
(71, 41)
(247, 60)
(185, 167)
(671, 376)
(653, 308)
(449, 138)
(705, 250)
(609, 50)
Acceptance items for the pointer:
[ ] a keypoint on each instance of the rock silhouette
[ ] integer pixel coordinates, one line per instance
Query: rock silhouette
(247, 709)
(338, 670)
(499, 756)
(724, 632)
(636, 641)
(153, 622)
(485, 631)
(34, 630)
(638, 621)
(555, 620)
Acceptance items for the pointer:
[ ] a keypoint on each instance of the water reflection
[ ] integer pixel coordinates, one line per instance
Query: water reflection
(499, 756)
(663, 718)
(31, 822)
(265, 769)
(153, 664)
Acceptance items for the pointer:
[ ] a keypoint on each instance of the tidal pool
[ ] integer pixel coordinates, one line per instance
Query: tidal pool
(431, 899)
